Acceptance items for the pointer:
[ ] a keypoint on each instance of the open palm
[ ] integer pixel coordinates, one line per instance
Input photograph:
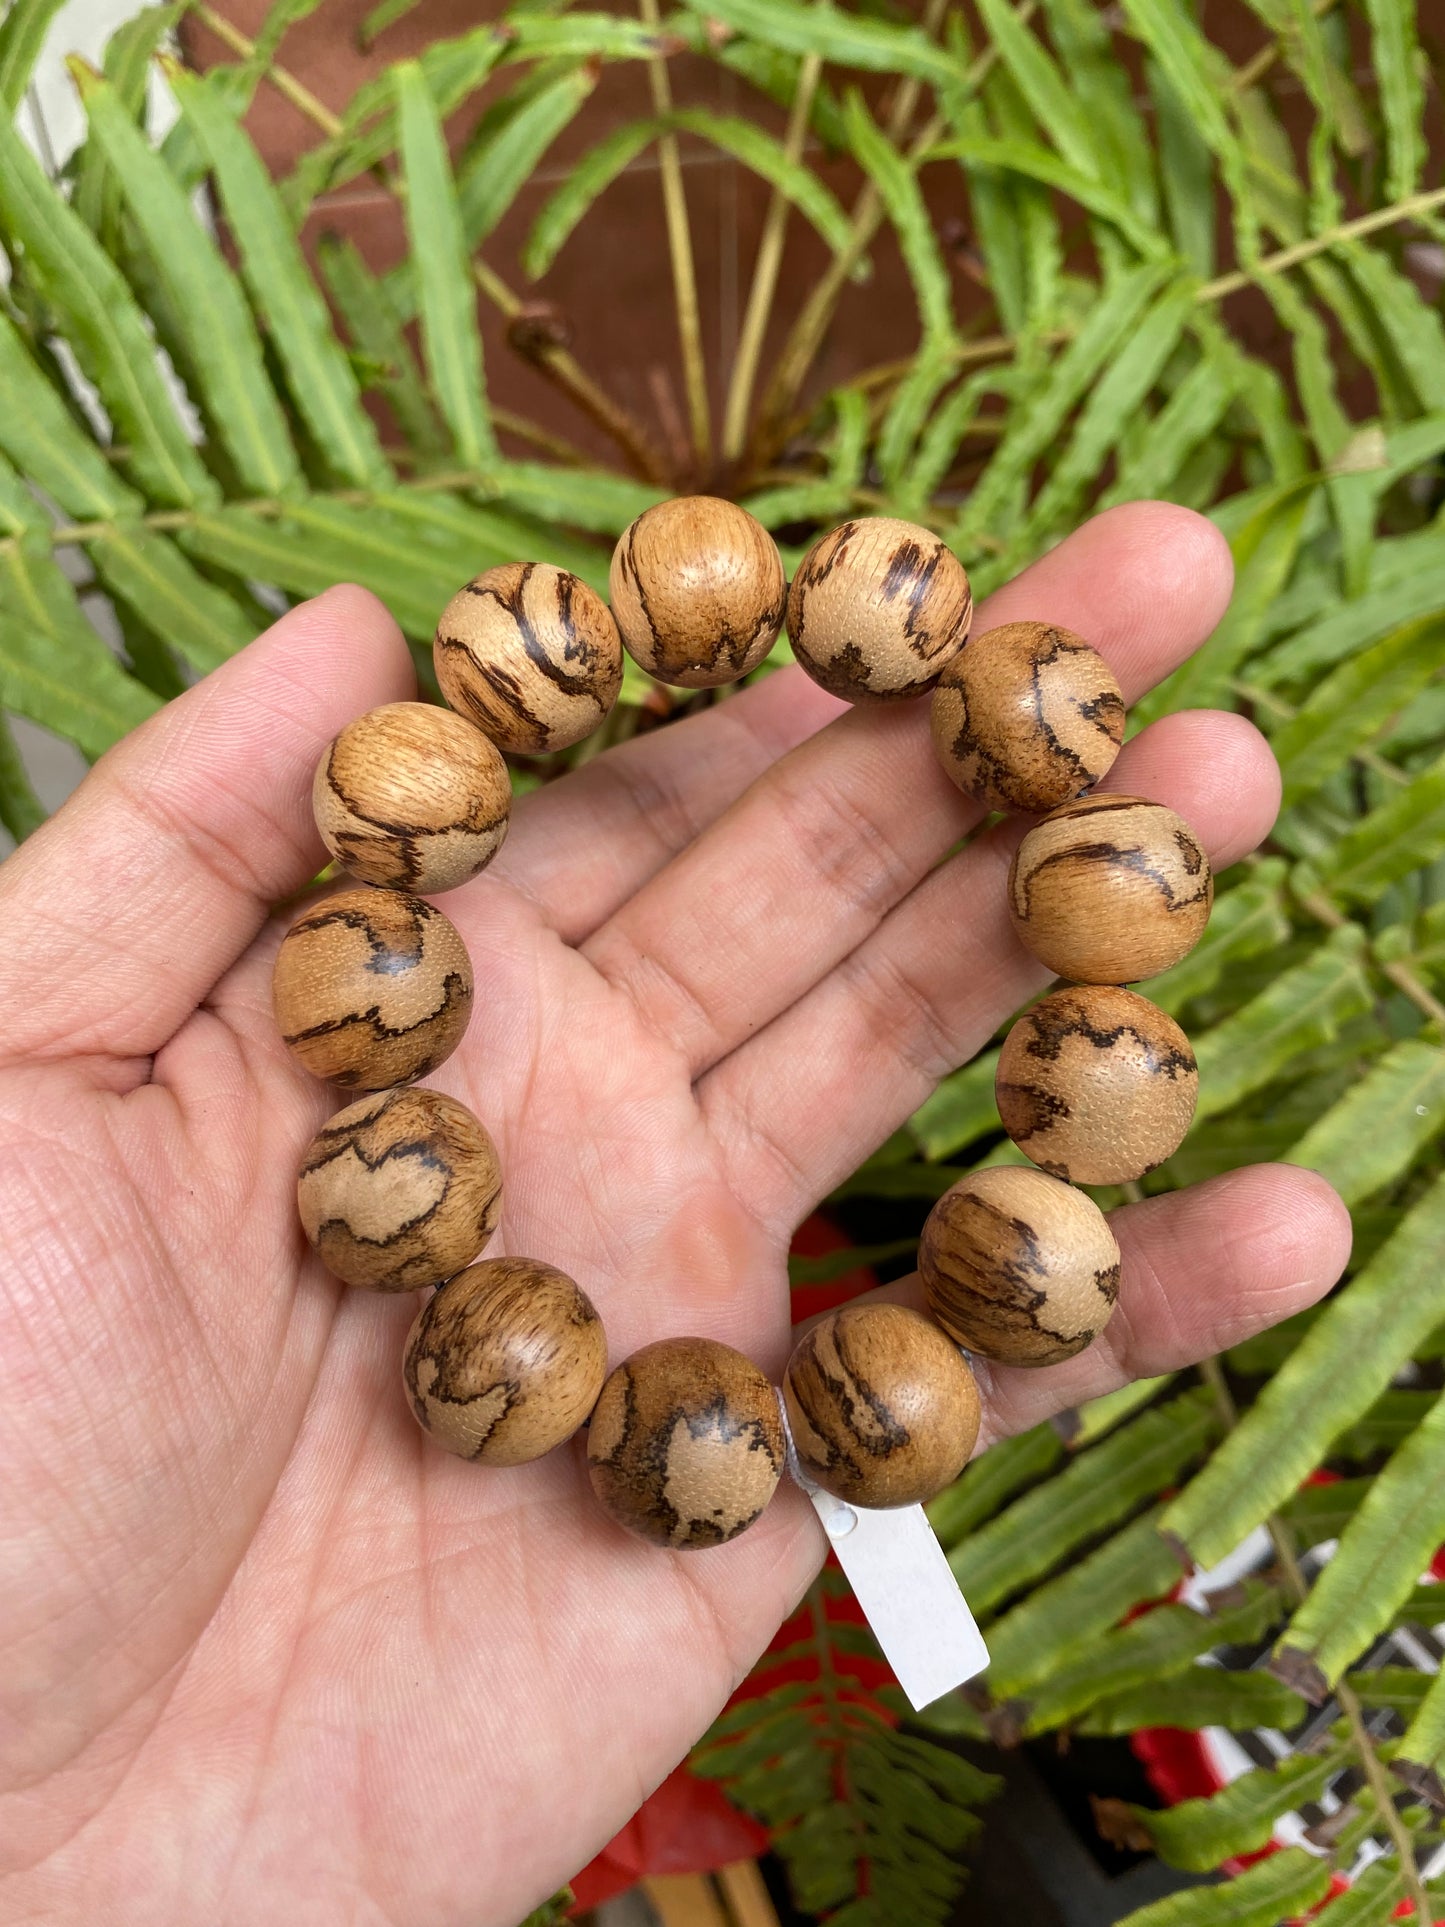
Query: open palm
(269, 1655)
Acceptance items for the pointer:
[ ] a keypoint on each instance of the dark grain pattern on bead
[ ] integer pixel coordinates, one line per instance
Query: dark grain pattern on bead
(529, 654)
(686, 1443)
(1027, 717)
(1096, 1084)
(697, 590)
(412, 797)
(1109, 889)
(877, 609)
(505, 1362)
(1018, 1266)
(400, 1190)
(372, 988)
(884, 1411)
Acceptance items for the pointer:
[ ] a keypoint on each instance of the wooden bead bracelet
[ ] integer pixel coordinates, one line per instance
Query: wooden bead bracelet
(400, 1191)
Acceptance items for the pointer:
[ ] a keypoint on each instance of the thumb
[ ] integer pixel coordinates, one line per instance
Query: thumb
(125, 908)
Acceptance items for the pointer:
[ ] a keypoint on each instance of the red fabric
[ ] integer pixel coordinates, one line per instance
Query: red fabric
(687, 1826)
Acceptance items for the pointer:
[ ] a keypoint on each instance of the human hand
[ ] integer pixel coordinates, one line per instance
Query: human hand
(267, 1653)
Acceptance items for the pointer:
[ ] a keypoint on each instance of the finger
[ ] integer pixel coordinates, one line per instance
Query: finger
(804, 866)
(161, 868)
(1201, 1270)
(802, 1104)
(579, 848)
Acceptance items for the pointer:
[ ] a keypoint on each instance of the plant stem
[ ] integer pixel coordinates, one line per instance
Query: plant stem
(1212, 1373)
(1314, 244)
(557, 363)
(679, 247)
(285, 82)
(765, 271)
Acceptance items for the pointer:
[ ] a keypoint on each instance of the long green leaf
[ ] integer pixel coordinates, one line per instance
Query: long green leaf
(190, 613)
(846, 39)
(1423, 1743)
(22, 35)
(1406, 831)
(1381, 1554)
(1396, 58)
(1116, 398)
(1097, 1489)
(1049, 1627)
(1418, 591)
(897, 184)
(1035, 424)
(128, 56)
(45, 442)
(1279, 1887)
(495, 170)
(1371, 1899)
(1354, 703)
(992, 1480)
(1036, 163)
(224, 348)
(1196, 1835)
(598, 168)
(54, 668)
(1153, 1646)
(447, 295)
(21, 810)
(1343, 1363)
(105, 326)
(1200, 1696)
(318, 374)
(1053, 103)
(1264, 553)
(1302, 1007)
(1381, 1124)
(375, 327)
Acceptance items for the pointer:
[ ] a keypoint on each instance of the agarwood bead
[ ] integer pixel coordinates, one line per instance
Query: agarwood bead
(372, 987)
(400, 1190)
(505, 1362)
(883, 1408)
(1109, 889)
(412, 797)
(1096, 1084)
(1027, 716)
(877, 609)
(529, 654)
(697, 591)
(686, 1443)
(1018, 1266)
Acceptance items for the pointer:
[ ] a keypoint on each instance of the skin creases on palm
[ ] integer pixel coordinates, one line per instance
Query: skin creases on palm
(264, 1648)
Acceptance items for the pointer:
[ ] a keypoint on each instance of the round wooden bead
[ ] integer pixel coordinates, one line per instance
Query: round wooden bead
(1027, 716)
(400, 1190)
(877, 609)
(505, 1362)
(1096, 1085)
(697, 591)
(372, 987)
(1018, 1266)
(884, 1410)
(1109, 889)
(412, 797)
(531, 655)
(686, 1443)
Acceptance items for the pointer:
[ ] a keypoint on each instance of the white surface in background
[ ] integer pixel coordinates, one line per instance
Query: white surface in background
(52, 118)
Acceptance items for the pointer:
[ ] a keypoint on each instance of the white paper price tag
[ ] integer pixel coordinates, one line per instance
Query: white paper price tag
(903, 1582)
